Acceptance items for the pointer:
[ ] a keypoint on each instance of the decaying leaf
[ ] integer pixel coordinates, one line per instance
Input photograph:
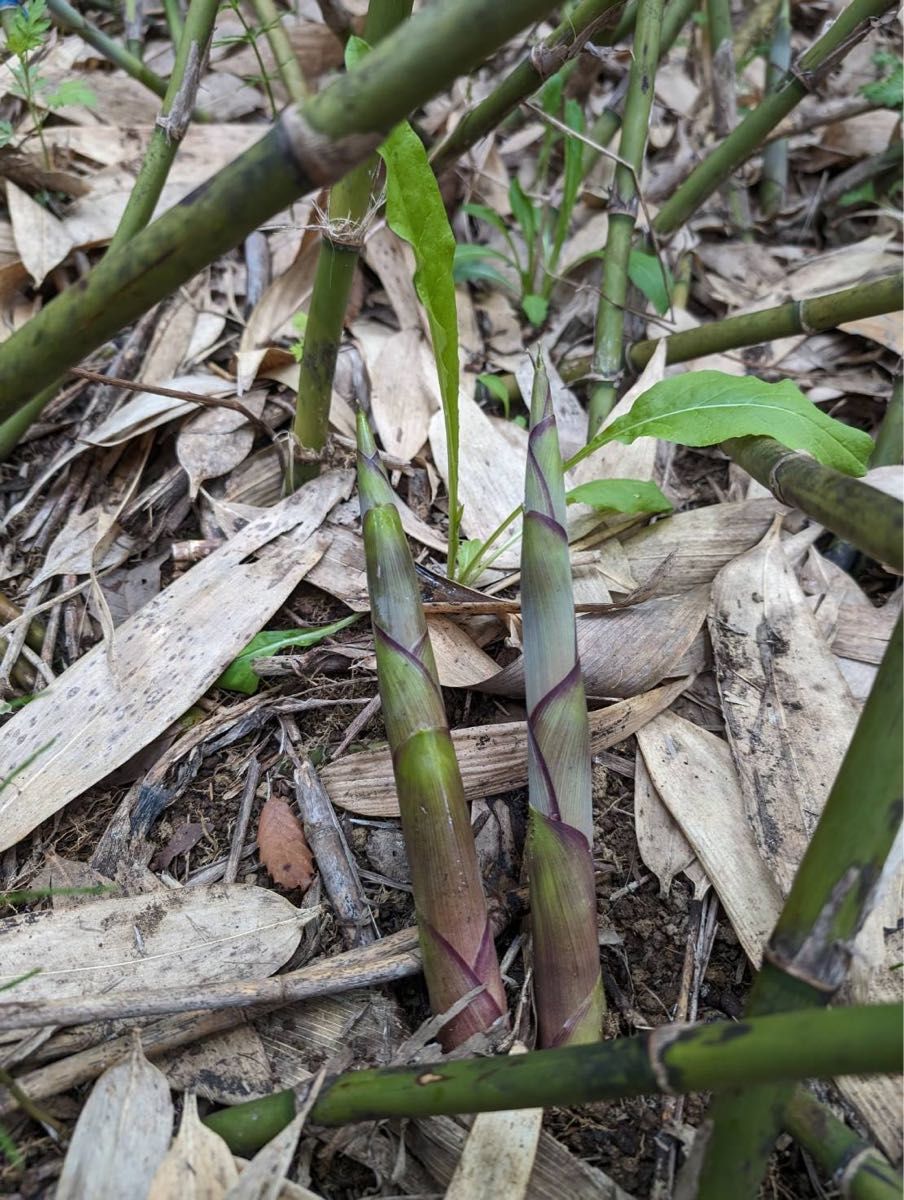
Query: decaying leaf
(95, 715)
(226, 931)
(282, 845)
(147, 410)
(492, 758)
(198, 1165)
(122, 1134)
(404, 392)
(72, 549)
(788, 714)
(663, 847)
(216, 440)
(228, 1068)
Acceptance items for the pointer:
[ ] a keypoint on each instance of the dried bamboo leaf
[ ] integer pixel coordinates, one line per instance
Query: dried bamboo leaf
(691, 547)
(262, 1178)
(122, 1134)
(459, 662)
(493, 758)
(628, 651)
(42, 239)
(788, 713)
(152, 939)
(146, 410)
(498, 1155)
(696, 778)
(199, 1164)
(227, 1068)
(404, 392)
(71, 551)
(663, 847)
(99, 715)
(216, 440)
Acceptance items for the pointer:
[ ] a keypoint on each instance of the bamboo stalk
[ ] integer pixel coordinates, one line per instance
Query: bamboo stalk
(175, 115)
(542, 62)
(608, 351)
(725, 105)
(855, 1167)
(173, 20)
(733, 333)
(848, 28)
(569, 992)
(809, 953)
(890, 438)
(308, 147)
(775, 153)
(70, 18)
(287, 64)
(337, 262)
(455, 935)
(674, 1058)
(860, 514)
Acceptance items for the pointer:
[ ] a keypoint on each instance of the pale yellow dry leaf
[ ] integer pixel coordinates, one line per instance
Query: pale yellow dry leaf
(146, 410)
(887, 329)
(498, 1155)
(459, 662)
(695, 777)
(663, 847)
(392, 261)
(95, 715)
(42, 239)
(492, 758)
(199, 1164)
(403, 392)
(216, 440)
(788, 713)
(71, 551)
(122, 1134)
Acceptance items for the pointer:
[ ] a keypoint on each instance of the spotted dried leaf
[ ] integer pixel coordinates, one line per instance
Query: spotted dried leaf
(283, 846)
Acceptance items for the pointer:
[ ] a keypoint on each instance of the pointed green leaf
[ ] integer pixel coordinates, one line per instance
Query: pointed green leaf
(535, 309)
(646, 273)
(239, 676)
(620, 495)
(524, 211)
(702, 408)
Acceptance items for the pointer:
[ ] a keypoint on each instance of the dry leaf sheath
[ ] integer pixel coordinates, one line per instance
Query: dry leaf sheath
(569, 990)
(456, 940)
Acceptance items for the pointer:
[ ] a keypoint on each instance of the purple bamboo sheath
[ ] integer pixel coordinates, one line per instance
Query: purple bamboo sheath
(455, 935)
(567, 983)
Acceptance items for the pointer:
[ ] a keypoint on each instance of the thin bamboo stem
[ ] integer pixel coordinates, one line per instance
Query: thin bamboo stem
(677, 1058)
(809, 953)
(889, 160)
(542, 62)
(175, 115)
(890, 438)
(307, 148)
(70, 18)
(856, 1168)
(287, 64)
(173, 15)
(847, 29)
(862, 515)
(608, 350)
(725, 101)
(775, 153)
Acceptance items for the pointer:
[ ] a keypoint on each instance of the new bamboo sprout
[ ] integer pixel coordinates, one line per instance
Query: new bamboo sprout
(455, 934)
(569, 991)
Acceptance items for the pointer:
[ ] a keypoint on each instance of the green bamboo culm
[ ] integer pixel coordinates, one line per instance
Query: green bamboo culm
(70, 18)
(454, 930)
(677, 1058)
(890, 438)
(175, 115)
(623, 202)
(809, 952)
(775, 153)
(568, 988)
(287, 64)
(856, 1168)
(337, 262)
(746, 138)
(309, 147)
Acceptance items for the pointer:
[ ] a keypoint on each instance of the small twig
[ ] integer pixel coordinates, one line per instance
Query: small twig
(241, 821)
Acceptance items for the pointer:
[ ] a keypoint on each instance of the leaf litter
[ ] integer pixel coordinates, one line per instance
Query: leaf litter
(725, 662)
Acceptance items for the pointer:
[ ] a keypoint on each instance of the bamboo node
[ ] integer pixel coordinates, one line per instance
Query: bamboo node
(322, 159)
(774, 483)
(546, 60)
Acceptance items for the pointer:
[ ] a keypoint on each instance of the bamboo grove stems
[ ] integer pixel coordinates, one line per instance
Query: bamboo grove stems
(890, 438)
(567, 984)
(775, 154)
(70, 18)
(733, 333)
(311, 146)
(284, 56)
(606, 125)
(623, 202)
(455, 934)
(175, 115)
(809, 953)
(725, 105)
(746, 138)
(542, 62)
(858, 1170)
(862, 515)
(675, 1058)
(337, 261)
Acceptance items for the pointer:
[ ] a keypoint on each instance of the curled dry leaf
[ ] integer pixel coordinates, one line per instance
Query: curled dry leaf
(199, 1164)
(122, 1133)
(283, 846)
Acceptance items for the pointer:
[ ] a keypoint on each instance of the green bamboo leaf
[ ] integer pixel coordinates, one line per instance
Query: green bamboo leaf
(524, 211)
(620, 495)
(415, 211)
(702, 408)
(239, 676)
(535, 308)
(646, 273)
(498, 391)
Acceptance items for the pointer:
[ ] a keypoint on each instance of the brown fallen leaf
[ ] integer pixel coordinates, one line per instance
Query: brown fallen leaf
(283, 846)
(187, 835)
